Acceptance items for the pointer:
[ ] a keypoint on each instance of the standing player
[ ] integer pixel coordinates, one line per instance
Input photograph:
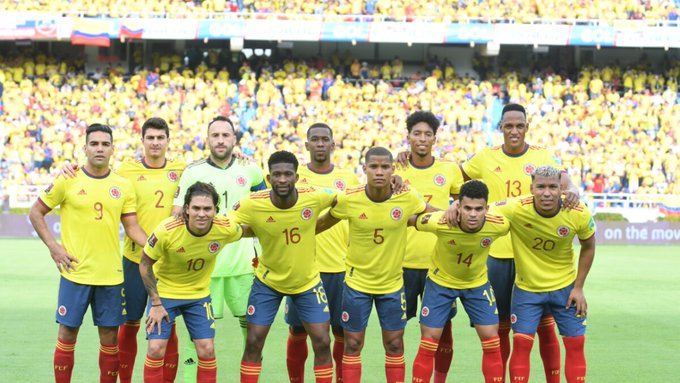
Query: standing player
(459, 271)
(377, 238)
(437, 181)
(233, 273)
(548, 277)
(92, 206)
(154, 179)
(331, 248)
(284, 220)
(507, 170)
(183, 252)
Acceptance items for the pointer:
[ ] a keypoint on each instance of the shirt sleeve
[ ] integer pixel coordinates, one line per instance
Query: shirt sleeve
(258, 179)
(472, 168)
(456, 179)
(506, 208)
(154, 245)
(326, 197)
(184, 182)
(239, 213)
(340, 210)
(587, 225)
(429, 222)
(417, 203)
(53, 196)
(234, 232)
(130, 204)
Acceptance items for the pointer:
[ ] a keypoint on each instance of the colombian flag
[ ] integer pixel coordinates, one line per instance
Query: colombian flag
(131, 28)
(670, 205)
(91, 32)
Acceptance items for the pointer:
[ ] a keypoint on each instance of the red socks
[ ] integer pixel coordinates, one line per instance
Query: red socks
(108, 363)
(351, 368)
(324, 374)
(504, 336)
(207, 370)
(492, 364)
(127, 350)
(250, 372)
(549, 347)
(171, 357)
(338, 349)
(395, 368)
(153, 370)
(575, 363)
(296, 355)
(444, 355)
(520, 363)
(424, 362)
(63, 361)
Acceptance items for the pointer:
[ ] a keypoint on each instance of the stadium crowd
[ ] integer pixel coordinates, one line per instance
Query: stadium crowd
(461, 10)
(614, 128)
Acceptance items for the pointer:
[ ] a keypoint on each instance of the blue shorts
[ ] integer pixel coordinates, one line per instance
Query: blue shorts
(529, 307)
(414, 286)
(197, 314)
(108, 304)
(439, 305)
(135, 292)
(332, 284)
(356, 309)
(502, 278)
(264, 302)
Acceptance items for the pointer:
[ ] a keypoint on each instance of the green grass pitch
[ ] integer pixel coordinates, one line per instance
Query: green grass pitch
(633, 295)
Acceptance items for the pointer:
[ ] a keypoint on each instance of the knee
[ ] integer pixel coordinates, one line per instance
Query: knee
(394, 346)
(68, 334)
(353, 346)
(156, 349)
(205, 350)
(321, 341)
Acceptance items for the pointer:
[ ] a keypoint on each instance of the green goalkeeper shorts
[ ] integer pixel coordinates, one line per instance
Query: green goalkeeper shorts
(233, 291)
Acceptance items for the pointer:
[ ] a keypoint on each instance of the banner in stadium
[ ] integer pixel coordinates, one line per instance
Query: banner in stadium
(21, 28)
(648, 37)
(88, 31)
(523, 34)
(465, 33)
(132, 28)
(592, 35)
(220, 29)
(349, 31)
(289, 30)
(176, 29)
(416, 32)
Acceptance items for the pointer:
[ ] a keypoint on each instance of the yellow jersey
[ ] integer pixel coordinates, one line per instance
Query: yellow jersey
(377, 237)
(331, 245)
(544, 246)
(185, 261)
(507, 176)
(91, 209)
(460, 257)
(155, 189)
(436, 183)
(287, 236)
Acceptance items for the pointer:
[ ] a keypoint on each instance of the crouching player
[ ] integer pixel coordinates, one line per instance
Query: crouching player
(183, 252)
(459, 270)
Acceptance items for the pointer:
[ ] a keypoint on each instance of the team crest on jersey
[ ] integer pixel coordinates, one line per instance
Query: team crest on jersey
(529, 169)
(485, 242)
(425, 311)
(563, 231)
(114, 192)
(340, 184)
(241, 180)
(439, 180)
(396, 213)
(306, 214)
(345, 316)
(47, 191)
(172, 176)
(213, 247)
(62, 310)
(513, 318)
(251, 310)
(152, 240)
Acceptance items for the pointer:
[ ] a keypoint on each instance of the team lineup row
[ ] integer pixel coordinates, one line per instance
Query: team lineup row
(330, 272)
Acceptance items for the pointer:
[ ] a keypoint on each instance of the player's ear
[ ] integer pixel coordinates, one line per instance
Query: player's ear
(269, 179)
(297, 177)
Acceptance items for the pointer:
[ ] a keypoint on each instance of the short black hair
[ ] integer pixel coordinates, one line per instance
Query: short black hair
(282, 157)
(514, 108)
(222, 118)
(474, 189)
(377, 151)
(319, 125)
(98, 128)
(202, 189)
(155, 123)
(423, 116)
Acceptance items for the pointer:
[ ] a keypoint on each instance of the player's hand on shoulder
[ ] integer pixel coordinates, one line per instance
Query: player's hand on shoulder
(397, 184)
(63, 260)
(69, 170)
(571, 199)
(242, 159)
(402, 158)
(452, 215)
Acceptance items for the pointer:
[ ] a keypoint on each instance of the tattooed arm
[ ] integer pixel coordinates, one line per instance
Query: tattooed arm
(157, 312)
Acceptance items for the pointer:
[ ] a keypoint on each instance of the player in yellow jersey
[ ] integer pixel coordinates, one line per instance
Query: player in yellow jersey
(377, 238)
(175, 266)
(93, 204)
(284, 220)
(506, 170)
(331, 248)
(154, 178)
(548, 275)
(459, 270)
(437, 181)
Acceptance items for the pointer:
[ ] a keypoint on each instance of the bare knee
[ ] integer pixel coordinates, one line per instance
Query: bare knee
(205, 348)
(394, 345)
(353, 345)
(68, 334)
(156, 348)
